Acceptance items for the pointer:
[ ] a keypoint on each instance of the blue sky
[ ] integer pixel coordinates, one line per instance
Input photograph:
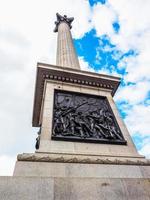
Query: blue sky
(99, 51)
(110, 37)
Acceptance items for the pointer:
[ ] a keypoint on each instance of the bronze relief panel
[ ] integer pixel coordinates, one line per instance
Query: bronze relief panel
(84, 118)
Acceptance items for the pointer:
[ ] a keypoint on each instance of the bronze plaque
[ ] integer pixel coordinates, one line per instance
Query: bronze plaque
(84, 118)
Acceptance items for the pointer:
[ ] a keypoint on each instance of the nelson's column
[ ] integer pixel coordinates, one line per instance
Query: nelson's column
(83, 148)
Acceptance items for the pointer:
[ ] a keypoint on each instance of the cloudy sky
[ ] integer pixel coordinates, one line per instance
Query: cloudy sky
(111, 37)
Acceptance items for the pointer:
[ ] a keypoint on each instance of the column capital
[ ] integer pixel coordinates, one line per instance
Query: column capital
(61, 19)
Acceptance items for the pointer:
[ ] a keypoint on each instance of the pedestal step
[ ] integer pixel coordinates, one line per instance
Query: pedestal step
(46, 188)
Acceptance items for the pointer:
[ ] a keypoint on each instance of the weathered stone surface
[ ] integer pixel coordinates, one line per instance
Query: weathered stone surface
(146, 173)
(107, 189)
(42, 188)
(26, 188)
(56, 169)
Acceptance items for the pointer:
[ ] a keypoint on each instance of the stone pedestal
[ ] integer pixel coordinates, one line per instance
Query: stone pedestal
(51, 78)
(77, 170)
(62, 176)
(47, 188)
(69, 166)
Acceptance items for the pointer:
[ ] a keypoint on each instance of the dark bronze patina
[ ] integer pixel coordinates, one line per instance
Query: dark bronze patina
(61, 19)
(84, 118)
(37, 144)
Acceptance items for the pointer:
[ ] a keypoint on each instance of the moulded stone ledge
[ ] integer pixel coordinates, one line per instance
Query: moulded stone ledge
(68, 158)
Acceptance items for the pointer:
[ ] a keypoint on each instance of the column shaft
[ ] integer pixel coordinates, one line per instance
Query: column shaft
(66, 55)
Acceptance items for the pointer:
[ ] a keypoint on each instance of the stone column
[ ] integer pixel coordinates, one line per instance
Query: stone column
(66, 55)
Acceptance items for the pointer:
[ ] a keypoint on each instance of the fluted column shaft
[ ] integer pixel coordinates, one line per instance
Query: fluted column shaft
(66, 55)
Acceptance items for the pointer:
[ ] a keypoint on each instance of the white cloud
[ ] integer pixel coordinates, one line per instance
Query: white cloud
(133, 94)
(36, 24)
(138, 119)
(134, 34)
(132, 24)
(7, 164)
(102, 19)
(108, 72)
(85, 65)
(145, 150)
(138, 68)
(27, 37)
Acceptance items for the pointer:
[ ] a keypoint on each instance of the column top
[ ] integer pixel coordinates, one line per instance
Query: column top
(61, 19)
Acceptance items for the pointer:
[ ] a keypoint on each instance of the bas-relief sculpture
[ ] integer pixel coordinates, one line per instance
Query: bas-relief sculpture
(86, 118)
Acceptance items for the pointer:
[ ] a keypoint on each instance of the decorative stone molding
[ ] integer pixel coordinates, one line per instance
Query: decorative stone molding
(82, 159)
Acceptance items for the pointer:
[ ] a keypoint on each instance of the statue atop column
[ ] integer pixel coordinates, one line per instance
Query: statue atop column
(61, 19)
